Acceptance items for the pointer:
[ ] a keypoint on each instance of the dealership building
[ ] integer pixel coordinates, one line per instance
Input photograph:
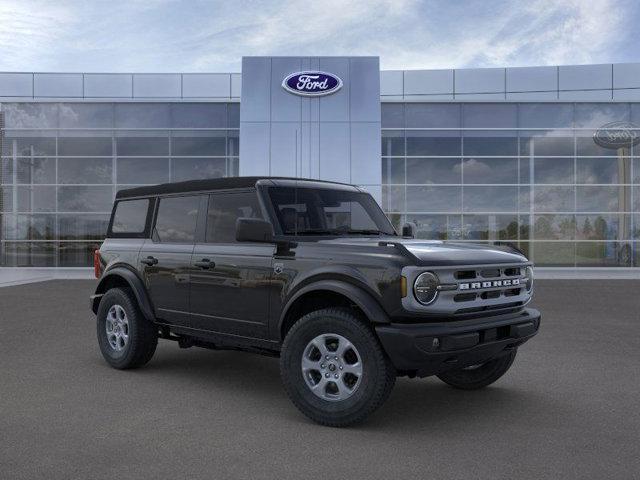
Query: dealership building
(546, 158)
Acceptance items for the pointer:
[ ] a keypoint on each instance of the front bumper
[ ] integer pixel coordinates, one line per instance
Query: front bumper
(431, 348)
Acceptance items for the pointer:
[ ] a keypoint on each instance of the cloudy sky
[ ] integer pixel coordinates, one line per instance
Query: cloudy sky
(212, 36)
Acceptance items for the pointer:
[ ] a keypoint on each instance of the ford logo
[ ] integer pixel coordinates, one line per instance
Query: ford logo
(617, 135)
(312, 84)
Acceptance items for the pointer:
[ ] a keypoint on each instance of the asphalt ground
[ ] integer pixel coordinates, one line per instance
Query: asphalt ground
(569, 408)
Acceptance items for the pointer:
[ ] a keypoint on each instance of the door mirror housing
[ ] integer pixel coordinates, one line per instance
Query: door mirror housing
(254, 230)
(409, 230)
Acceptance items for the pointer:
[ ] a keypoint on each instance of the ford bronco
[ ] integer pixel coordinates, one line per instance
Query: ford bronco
(312, 272)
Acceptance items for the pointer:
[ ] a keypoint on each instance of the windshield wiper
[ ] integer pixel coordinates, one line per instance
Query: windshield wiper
(364, 232)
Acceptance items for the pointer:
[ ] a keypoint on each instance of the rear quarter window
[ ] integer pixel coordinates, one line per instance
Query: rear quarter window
(130, 217)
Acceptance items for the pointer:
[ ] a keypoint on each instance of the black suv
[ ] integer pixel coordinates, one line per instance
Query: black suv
(312, 272)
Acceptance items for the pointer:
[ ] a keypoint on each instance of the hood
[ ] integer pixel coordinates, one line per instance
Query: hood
(439, 253)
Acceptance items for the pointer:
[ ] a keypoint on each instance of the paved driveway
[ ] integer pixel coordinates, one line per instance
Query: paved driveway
(568, 409)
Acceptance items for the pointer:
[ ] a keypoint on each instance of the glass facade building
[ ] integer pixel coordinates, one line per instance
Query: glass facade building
(474, 155)
(63, 162)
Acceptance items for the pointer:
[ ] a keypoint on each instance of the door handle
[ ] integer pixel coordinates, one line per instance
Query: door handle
(149, 260)
(205, 264)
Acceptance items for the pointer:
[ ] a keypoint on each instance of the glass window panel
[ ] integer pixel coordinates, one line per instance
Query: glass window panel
(36, 198)
(6, 170)
(6, 199)
(130, 216)
(636, 227)
(199, 115)
(233, 167)
(543, 144)
(490, 115)
(233, 112)
(90, 146)
(525, 247)
(397, 221)
(233, 143)
(434, 199)
(600, 199)
(489, 145)
(393, 170)
(36, 170)
(434, 170)
(393, 199)
(142, 170)
(436, 227)
(603, 170)
(525, 227)
(598, 114)
(392, 143)
(636, 170)
(585, 145)
(490, 199)
(554, 254)
(85, 170)
(28, 227)
(432, 115)
(525, 170)
(21, 254)
(77, 254)
(603, 254)
(392, 115)
(545, 115)
(86, 226)
(490, 227)
(85, 199)
(142, 115)
(30, 146)
(553, 170)
(490, 170)
(434, 143)
(603, 227)
(554, 199)
(524, 199)
(201, 145)
(197, 168)
(30, 115)
(86, 115)
(225, 209)
(176, 219)
(554, 227)
(145, 146)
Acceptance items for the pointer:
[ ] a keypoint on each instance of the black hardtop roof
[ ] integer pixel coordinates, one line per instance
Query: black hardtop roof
(209, 184)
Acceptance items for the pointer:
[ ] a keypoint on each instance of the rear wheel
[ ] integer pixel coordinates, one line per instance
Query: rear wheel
(126, 338)
(334, 369)
(479, 376)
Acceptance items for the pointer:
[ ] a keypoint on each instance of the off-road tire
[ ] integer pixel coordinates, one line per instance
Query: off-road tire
(480, 377)
(377, 379)
(143, 335)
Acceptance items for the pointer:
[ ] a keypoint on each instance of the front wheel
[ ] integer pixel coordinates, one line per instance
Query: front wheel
(334, 369)
(479, 376)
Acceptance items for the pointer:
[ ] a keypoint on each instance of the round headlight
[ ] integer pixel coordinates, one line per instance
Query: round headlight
(425, 288)
(528, 273)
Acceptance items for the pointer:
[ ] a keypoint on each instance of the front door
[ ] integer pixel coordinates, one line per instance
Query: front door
(231, 281)
(166, 259)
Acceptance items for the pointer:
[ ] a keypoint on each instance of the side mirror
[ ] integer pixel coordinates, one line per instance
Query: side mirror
(409, 230)
(254, 230)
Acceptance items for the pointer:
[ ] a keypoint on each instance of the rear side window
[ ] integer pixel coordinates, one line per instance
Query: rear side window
(130, 216)
(176, 220)
(225, 209)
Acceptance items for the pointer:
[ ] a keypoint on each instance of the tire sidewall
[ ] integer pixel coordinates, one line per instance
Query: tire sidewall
(308, 328)
(117, 296)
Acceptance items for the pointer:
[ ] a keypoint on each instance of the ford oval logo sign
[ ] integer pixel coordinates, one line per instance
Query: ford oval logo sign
(312, 83)
(617, 135)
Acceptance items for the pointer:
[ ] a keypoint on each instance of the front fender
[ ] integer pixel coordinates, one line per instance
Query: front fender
(119, 274)
(369, 306)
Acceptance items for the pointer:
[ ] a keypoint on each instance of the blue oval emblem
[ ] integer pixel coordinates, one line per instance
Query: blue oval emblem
(312, 83)
(616, 135)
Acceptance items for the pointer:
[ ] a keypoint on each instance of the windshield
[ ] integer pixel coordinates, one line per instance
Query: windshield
(312, 211)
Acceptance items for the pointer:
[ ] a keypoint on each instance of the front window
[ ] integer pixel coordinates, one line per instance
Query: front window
(310, 211)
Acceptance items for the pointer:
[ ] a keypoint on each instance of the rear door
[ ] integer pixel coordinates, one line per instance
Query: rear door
(230, 280)
(165, 259)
